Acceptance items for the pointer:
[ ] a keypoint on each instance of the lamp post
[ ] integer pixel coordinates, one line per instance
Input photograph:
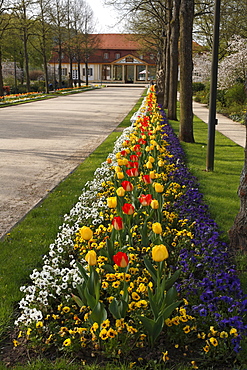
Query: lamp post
(212, 121)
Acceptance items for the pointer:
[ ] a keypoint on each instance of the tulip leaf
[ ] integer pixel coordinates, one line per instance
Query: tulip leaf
(82, 271)
(78, 301)
(158, 326)
(153, 305)
(171, 280)
(91, 301)
(108, 268)
(144, 232)
(168, 310)
(114, 309)
(99, 313)
(147, 323)
(171, 296)
(110, 245)
(118, 308)
(80, 289)
(150, 268)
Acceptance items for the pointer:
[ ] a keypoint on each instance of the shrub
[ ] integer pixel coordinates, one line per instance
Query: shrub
(198, 86)
(235, 94)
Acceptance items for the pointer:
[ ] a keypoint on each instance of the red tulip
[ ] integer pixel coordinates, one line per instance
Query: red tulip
(142, 141)
(117, 223)
(121, 259)
(136, 148)
(123, 153)
(127, 186)
(128, 209)
(134, 157)
(147, 179)
(132, 164)
(132, 172)
(145, 199)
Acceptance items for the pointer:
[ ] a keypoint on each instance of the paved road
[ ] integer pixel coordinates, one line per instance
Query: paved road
(43, 141)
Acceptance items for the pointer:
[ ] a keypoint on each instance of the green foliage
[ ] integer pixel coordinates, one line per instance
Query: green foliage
(235, 94)
(198, 86)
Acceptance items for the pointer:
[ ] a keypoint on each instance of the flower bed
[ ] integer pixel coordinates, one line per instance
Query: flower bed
(138, 271)
(32, 96)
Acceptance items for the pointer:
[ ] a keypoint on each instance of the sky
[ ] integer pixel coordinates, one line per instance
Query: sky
(106, 18)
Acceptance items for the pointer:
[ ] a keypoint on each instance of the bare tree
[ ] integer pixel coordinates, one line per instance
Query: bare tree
(23, 11)
(44, 35)
(58, 21)
(4, 26)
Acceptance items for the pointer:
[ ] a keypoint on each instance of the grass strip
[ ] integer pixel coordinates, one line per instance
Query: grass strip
(219, 186)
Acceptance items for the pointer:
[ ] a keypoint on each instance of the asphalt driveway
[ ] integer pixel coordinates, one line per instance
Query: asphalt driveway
(42, 142)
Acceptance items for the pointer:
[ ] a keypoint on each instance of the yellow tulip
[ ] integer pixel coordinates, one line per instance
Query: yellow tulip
(120, 162)
(149, 165)
(91, 258)
(86, 233)
(154, 204)
(159, 188)
(160, 163)
(120, 191)
(118, 155)
(157, 228)
(120, 175)
(160, 253)
(112, 202)
(152, 175)
(117, 169)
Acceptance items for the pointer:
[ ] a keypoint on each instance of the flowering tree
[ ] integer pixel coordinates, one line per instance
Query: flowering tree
(201, 67)
(234, 66)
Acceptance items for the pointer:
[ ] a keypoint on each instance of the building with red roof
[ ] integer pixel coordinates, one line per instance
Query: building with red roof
(117, 58)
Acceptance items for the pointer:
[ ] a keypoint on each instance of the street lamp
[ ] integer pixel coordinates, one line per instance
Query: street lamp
(212, 121)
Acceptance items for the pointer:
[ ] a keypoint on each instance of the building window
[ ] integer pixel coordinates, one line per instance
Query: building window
(74, 74)
(89, 71)
(117, 55)
(106, 55)
(64, 72)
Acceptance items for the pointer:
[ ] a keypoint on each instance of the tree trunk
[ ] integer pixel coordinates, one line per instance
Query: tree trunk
(1, 74)
(238, 232)
(167, 56)
(160, 75)
(25, 37)
(46, 73)
(79, 72)
(186, 67)
(86, 71)
(173, 79)
(60, 64)
(70, 71)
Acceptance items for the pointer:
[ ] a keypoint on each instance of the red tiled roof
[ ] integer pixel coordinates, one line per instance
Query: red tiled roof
(117, 41)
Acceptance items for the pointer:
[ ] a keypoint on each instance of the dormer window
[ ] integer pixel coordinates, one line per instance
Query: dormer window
(106, 55)
(117, 55)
